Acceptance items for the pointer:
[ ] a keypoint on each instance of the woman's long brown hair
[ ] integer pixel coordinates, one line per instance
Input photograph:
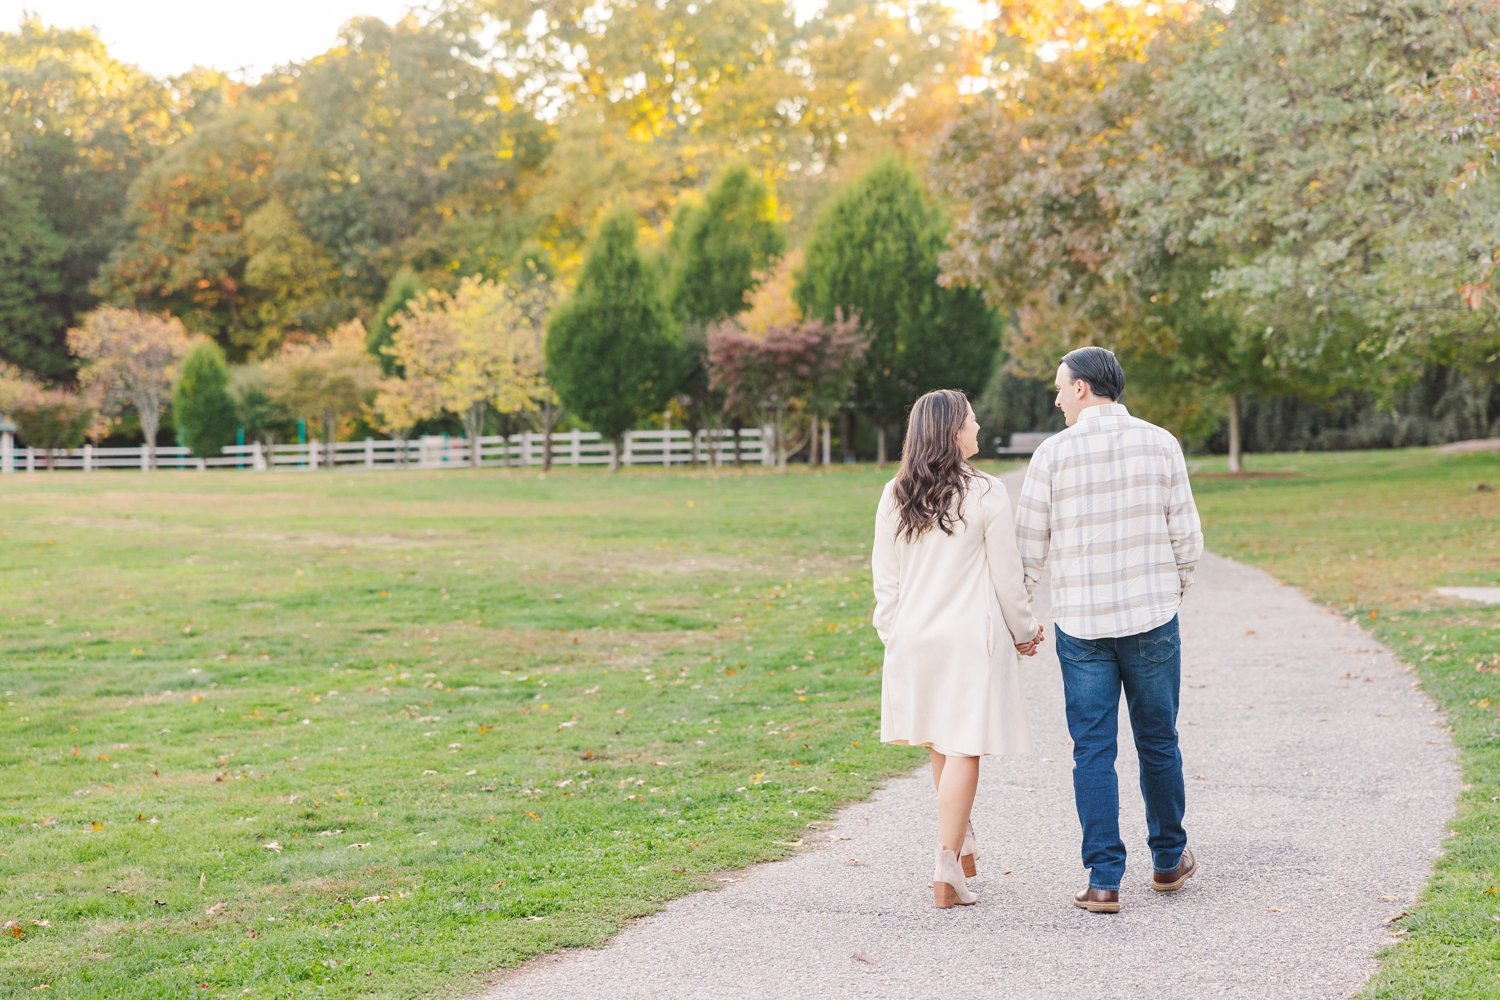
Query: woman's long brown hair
(934, 474)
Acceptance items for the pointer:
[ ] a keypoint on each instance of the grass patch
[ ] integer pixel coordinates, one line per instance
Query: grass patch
(369, 735)
(1372, 534)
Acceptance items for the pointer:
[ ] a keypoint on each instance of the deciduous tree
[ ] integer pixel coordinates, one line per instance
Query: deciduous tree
(131, 359)
(330, 379)
(476, 350)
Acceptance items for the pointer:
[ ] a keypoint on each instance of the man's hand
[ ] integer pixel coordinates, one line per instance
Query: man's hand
(1029, 647)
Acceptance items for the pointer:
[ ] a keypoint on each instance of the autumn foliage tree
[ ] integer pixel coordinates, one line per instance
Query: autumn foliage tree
(478, 350)
(130, 358)
(47, 417)
(330, 379)
(785, 374)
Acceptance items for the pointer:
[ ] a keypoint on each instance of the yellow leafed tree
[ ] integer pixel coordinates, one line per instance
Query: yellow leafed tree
(462, 354)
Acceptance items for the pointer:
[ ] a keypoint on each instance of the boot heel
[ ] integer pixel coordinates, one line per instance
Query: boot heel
(968, 862)
(948, 886)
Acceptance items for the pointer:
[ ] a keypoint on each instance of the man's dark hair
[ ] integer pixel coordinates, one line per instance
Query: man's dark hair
(1099, 368)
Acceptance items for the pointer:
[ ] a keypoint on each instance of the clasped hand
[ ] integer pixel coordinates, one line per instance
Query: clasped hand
(1029, 647)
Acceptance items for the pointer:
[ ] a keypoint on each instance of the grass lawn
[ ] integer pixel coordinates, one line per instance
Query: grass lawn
(376, 734)
(373, 734)
(1372, 534)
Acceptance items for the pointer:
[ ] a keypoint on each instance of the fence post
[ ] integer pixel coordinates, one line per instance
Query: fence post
(312, 454)
(88, 458)
(30, 459)
(526, 448)
(7, 453)
(369, 454)
(257, 458)
(577, 446)
(625, 459)
(145, 457)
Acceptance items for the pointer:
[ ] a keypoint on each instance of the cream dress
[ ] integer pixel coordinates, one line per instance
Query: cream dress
(950, 609)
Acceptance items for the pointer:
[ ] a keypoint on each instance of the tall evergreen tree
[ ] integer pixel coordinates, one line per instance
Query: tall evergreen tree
(874, 250)
(723, 247)
(720, 251)
(613, 349)
(205, 411)
(403, 288)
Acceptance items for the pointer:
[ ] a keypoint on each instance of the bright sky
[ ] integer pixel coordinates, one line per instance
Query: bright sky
(166, 37)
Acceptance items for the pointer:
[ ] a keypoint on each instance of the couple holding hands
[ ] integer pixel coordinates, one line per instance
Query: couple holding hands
(1107, 508)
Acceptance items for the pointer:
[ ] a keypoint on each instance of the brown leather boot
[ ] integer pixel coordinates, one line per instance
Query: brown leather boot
(1172, 880)
(1098, 900)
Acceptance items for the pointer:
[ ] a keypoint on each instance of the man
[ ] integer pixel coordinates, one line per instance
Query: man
(1106, 504)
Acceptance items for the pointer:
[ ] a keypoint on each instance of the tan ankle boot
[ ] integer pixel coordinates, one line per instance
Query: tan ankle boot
(969, 853)
(948, 885)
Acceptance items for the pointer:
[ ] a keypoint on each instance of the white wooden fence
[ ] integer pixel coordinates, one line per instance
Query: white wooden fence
(641, 448)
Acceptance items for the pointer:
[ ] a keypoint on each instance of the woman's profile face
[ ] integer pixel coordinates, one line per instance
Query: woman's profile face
(968, 435)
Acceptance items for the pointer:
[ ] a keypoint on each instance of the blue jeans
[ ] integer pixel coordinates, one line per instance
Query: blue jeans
(1148, 667)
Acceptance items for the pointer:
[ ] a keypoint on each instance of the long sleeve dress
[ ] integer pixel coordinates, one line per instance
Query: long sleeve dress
(950, 609)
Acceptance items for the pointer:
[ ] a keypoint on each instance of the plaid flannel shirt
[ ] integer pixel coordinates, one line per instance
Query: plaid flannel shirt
(1107, 506)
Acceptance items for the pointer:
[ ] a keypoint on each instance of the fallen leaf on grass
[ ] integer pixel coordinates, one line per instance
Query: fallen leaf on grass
(533, 817)
(272, 845)
(216, 909)
(1393, 918)
(359, 847)
(374, 899)
(14, 929)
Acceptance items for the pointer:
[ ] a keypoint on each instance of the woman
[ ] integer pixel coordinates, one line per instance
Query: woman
(948, 582)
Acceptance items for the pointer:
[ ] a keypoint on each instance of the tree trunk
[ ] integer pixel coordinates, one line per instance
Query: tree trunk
(880, 445)
(473, 425)
(779, 430)
(1235, 466)
(148, 430)
(549, 423)
(812, 437)
(330, 428)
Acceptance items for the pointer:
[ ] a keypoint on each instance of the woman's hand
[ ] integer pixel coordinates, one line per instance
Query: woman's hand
(1029, 647)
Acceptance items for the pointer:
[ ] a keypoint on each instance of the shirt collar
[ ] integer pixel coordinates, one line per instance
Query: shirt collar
(1102, 410)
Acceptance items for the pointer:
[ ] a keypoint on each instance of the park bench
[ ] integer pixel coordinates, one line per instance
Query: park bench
(1023, 443)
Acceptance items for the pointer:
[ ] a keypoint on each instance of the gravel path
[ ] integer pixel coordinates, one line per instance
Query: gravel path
(1319, 784)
